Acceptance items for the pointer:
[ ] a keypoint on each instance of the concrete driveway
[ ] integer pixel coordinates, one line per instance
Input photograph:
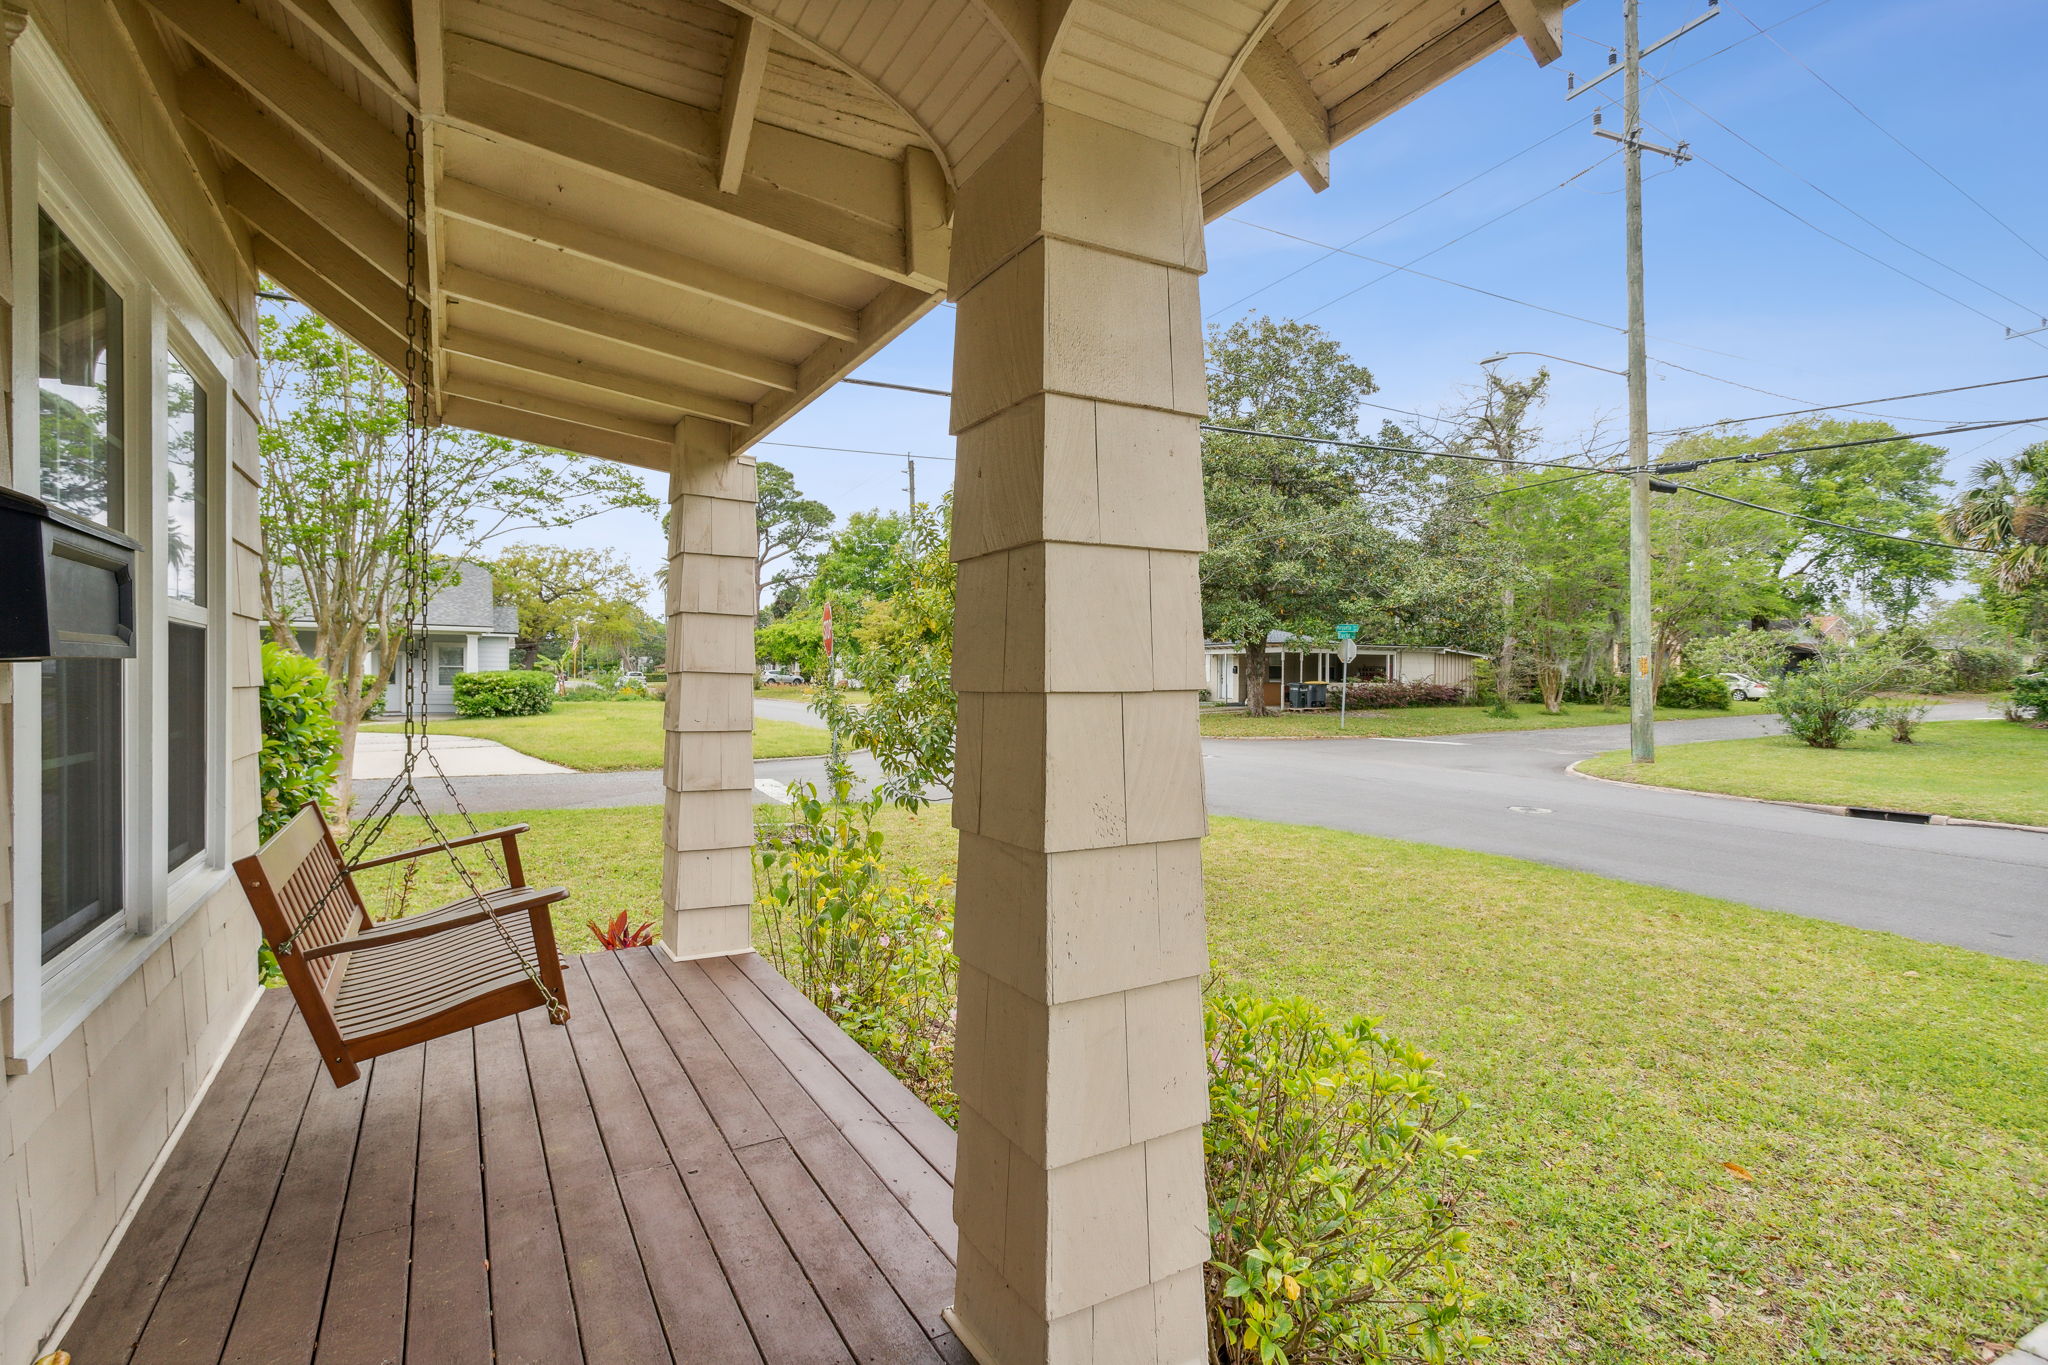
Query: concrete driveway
(1509, 793)
(379, 756)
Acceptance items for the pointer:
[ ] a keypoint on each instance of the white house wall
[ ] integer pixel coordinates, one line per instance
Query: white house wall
(112, 1067)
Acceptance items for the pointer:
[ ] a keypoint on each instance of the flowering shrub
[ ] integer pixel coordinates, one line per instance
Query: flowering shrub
(1333, 1192)
(872, 946)
(1380, 693)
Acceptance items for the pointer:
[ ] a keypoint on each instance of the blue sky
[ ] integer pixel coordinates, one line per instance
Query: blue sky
(1737, 288)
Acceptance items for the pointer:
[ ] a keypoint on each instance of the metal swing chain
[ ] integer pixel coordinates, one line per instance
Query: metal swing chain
(412, 522)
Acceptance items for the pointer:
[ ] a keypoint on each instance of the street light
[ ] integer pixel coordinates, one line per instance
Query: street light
(1562, 359)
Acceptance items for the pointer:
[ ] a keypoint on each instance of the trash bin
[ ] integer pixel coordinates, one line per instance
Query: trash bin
(1318, 694)
(1295, 696)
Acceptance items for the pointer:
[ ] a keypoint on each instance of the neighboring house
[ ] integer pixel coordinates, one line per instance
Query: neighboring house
(1287, 664)
(651, 234)
(468, 631)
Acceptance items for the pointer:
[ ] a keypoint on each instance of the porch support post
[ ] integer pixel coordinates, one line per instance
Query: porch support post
(708, 774)
(1078, 658)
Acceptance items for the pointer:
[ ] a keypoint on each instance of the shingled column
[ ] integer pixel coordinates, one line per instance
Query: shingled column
(708, 773)
(1077, 389)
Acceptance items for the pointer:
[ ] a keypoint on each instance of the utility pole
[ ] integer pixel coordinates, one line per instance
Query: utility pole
(1642, 675)
(910, 463)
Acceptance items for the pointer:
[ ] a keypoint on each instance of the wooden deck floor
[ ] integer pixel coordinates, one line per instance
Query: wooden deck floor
(699, 1168)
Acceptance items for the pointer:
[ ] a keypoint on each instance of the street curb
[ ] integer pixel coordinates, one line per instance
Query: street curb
(1913, 816)
(2032, 1349)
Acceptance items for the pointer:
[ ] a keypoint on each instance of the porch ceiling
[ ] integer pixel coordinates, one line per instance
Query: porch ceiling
(633, 214)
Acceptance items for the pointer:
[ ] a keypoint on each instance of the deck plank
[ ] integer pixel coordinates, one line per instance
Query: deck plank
(448, 1316)
(788, 1320)
(197, 1307)
(535, 1314)
(113, 1318)
(366, 1292)
(689, 1171)
(815, 1083)
(876, 1325)
(278, 1319)
(690, 1288)
(615, 1309)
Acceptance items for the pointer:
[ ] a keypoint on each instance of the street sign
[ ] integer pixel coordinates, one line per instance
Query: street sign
(1347, 649)
(828, 629)
(1347, 632)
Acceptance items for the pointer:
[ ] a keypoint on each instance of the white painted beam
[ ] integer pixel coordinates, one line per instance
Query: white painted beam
(599, 379)
(547, 227)
(741, 100)
(543, 429)
(1276, 92)
(320, 16)
(384, 29)
(653, 338)
(1540, 24)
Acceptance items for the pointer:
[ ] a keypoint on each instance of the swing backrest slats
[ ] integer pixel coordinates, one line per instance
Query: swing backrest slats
(300, 865)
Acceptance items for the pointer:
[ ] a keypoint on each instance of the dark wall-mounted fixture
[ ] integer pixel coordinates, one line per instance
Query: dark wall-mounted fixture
(67, 587)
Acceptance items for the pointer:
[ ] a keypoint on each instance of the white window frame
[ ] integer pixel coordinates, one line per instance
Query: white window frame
(64, 163)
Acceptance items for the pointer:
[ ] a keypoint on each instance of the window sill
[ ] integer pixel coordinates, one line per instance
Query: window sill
(86, 987)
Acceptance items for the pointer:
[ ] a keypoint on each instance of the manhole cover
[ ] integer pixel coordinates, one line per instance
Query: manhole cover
(1530, 810)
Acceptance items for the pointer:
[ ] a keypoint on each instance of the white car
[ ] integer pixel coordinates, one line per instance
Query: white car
(1742, 687)
(781, 677)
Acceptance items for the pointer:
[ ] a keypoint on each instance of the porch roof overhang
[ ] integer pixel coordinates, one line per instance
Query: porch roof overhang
(630, 216)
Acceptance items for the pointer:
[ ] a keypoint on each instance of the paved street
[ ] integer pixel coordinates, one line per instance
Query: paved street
(1509, 793)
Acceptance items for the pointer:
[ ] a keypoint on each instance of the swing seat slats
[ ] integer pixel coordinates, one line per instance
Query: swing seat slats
(366, 988)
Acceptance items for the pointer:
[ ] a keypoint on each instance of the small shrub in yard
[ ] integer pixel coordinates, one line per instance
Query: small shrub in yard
(872, 946)
(2030, 696)
(505, 692)
(1334, 1186)
(1694, 692)
(1380, 693)
(1824, 703)
(301, 746)
(1899, 716)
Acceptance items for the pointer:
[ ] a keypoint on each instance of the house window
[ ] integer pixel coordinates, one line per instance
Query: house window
(447, 664)
(78, 366)
(185, 560)
(1273, 662)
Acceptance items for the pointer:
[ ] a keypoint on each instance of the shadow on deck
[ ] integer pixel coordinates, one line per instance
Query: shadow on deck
(700, 1168)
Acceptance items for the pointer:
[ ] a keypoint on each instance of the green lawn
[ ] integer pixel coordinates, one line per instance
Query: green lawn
(1888, 1099)
(1432, 720)
(612, 736)
(1979, 769)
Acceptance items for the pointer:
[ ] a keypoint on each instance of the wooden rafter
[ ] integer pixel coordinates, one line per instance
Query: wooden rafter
(349, 270)
(322, 17)
(312, 288)
(1540, 24)
(534, 223)
(831, 200)
(1279, 97)
(545, 429)
(293, 91)
(881, 322)
(577, 316)
(744, 73)
(599, 379)
(384, 30)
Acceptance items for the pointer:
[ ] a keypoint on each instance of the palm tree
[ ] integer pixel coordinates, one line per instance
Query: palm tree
(2004, 509)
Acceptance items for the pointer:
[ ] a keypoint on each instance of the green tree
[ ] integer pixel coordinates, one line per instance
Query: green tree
(2004, 509)
(1295, 542)
(339, 541)
(558, 587)
(859, 562)
(796, 639)
(791, 527)
(903, 647)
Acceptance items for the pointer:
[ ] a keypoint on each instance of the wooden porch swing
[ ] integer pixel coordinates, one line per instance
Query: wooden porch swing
(366, 987)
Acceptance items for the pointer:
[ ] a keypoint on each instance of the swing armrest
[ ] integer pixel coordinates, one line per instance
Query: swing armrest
(410, 927)
(508, 834)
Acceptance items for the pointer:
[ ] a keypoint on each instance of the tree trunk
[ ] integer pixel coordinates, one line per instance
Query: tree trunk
(1255, 677)
(1504, 674)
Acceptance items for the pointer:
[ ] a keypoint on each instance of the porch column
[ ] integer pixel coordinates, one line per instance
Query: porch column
(1078, 657)
(708, 774)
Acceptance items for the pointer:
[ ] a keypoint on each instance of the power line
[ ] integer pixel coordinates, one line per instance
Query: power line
(1373, 232)
(1862, 217)
(1894, 138)
(1445, 246)
(848, 450)
(1856, 406)
(1663, 486)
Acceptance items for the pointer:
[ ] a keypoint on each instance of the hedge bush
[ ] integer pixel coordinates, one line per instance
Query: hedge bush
(507, 692)
(301, 745)
(1380, 693)
(1694, 692)
(1982, 668)
(2030, 695)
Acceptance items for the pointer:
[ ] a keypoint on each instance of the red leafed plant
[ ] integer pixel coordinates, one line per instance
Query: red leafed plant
(618, 934)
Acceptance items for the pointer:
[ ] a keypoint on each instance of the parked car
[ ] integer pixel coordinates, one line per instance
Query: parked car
(1742, 687)
(636, 678)
(781, 677)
